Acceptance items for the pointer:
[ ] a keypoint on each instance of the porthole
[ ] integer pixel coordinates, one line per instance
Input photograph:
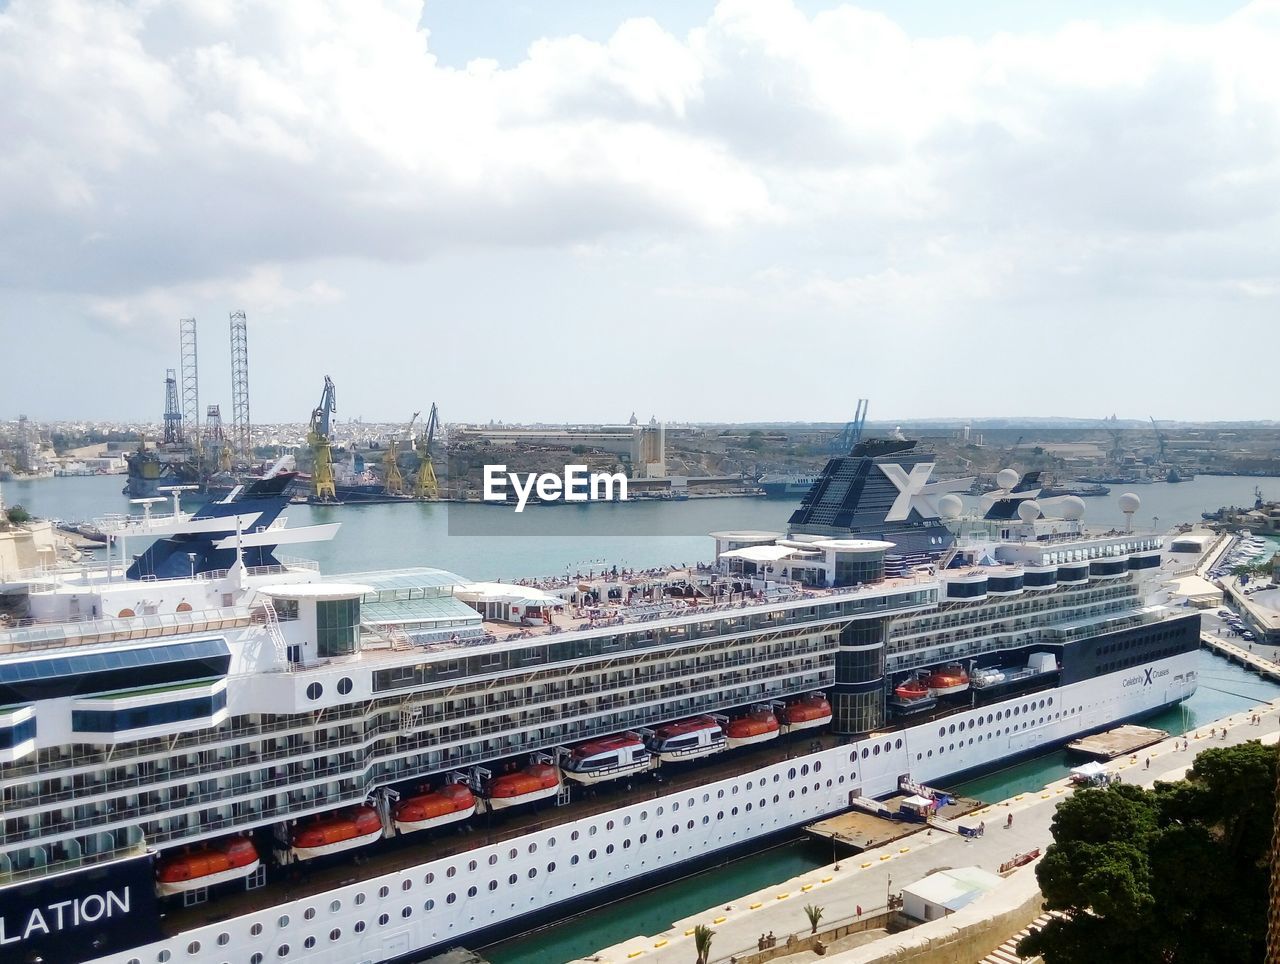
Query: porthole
(309, 943)
(791, 774)
(193, 948)
(689, 825)
(791, 795)
(255, 930)
(775, 798)
(451, 898)
(817, 766)
(335, 934)
(315, 691)
(493, 859)
(406, 884)
(471, 891)
(472, 865)
(430, 878)
(384, 891)
(551, 867)
(574, 835)
(953, 727)
(384, 919)
(344, 685)
(335, 906)
(224, 939)
(551, 841)
(609, 825)
(359, 927)
(406, 912)
(804, 770)
(609, 849)
(533, 871)
(897, 745)
(310, 912)
(573, 861)
(512, 853)
(256, 959)
(591, 854)
(493, 884)
(865, 753)
(165, 955)
(283, 922)
(533, 847)
(429, 904)
(281, 951)
(942, 731)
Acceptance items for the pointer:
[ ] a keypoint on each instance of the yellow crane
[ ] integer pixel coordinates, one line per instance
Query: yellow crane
(318, 438)
(426, 486)
(393, 480)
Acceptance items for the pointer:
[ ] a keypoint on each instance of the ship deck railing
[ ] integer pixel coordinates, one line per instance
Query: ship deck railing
(34, 636)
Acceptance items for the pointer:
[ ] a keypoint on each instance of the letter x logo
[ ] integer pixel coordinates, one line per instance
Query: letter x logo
(911, 491)
(1148, 681)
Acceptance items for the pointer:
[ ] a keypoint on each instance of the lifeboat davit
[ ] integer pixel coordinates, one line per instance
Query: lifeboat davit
(608, 759)
(538, 781)
(757, 726)
(804, 714)
(687, 739)
(951, 678)
(336, 832)
(911, 691)
(203, 866)
(435, 808)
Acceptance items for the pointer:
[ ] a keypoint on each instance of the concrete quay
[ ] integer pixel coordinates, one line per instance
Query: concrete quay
(869, 879)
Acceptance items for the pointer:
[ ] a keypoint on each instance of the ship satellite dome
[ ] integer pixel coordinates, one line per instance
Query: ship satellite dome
(1007, 478)
(950, 506)
(1029, 510)
(1072, 508)
(1129, 502)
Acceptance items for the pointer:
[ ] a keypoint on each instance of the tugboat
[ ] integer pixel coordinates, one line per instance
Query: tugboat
(607, 759)
(334, 833)
(948, 679)
(435, 808)
(537, 781)
(758, 726)
(214, 863)
(807, 713)
(688, 739)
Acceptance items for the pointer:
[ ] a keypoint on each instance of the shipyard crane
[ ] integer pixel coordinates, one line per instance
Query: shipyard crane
(1161, 438)
(320, 439)
(426, 486)
(1117, 446)
(851, 435)
(392, 479)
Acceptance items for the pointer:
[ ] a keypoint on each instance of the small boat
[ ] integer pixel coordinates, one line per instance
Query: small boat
(435, 808)
(537, 781)
(336, 832)
(912, 690)
(687, 739)
(807, 713)
(758, 726)
(948, 679)
(607, 759)
(213, 863)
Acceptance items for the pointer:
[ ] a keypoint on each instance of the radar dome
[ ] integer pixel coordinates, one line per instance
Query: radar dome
(950, 506)
(1072, 508)
(1007, 478)
(1028, 510)
(1129, 502)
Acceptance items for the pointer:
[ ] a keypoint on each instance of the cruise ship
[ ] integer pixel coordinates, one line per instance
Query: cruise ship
(208, 752)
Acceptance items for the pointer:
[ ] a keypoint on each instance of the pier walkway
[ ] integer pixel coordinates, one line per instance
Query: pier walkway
(1238, 654)
(867, 880)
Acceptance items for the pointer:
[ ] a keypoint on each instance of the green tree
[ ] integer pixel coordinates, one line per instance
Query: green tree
(1176, 875)
(814, 913)
(17, 514)
(702, 935)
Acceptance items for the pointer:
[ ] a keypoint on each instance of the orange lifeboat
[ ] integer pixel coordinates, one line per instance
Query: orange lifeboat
(951, 678)
(212, 863)
(911, 691)
(333, 833)
(804, 714)
(538, 781)
(435, 808)
(756, 727)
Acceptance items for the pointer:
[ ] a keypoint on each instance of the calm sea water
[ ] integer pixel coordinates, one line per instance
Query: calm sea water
(564, 538)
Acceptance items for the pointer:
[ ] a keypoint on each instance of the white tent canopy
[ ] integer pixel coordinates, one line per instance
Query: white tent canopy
(766, 553)
(1091, 769)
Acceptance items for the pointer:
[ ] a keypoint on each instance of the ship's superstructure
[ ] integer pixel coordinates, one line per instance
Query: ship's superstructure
(182, 732)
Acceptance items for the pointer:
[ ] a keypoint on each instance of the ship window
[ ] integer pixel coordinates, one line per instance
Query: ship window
(193, 948)
(385, 891)
(406, 912)
(592, 854)
(574, 835)
(384, 919)
(448, 900)
(897, 745)
(335, 934)
(511, 854)
(533, 871)
(429, 879)
(471, 865)
(493, 859)
(224, 939)
(344, 685)
(471, 891)
(283, 922)
(865, 753)
(309, 914)
(533, 847)
(429, 904)
(573, 861)
(406, 884)
(281, 951)
(335, 906)
(791, 774)
(609, 849)
(551, 867)
(309, 943)
(256, 959)
(255, 930)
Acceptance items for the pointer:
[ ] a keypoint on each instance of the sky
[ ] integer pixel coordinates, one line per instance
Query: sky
(750, 210)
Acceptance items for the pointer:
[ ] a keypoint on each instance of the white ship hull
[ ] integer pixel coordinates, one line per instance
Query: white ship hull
(208, 880)
(409, 826)
(779, 796)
